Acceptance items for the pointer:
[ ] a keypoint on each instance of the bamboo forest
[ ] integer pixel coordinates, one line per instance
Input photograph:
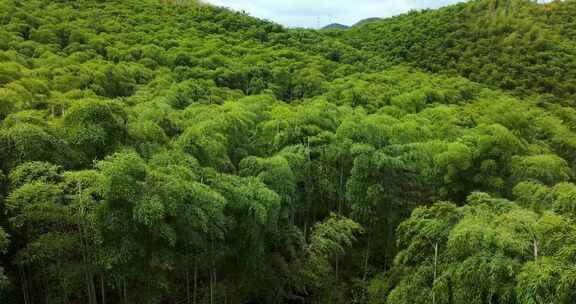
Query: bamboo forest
(179, 152)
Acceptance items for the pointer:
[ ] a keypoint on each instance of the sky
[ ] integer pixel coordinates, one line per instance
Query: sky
(318, 13)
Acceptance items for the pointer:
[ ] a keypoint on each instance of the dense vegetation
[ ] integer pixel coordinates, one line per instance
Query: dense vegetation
(516, 45)
(174, 152)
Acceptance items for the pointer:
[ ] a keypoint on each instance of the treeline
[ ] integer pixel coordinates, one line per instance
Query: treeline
(174, 152)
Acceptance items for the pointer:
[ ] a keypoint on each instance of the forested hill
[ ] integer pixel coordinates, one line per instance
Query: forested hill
(171, 152)
(335, 26)
(516, 45)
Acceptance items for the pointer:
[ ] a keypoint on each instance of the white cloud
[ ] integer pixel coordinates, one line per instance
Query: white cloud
(314, 13)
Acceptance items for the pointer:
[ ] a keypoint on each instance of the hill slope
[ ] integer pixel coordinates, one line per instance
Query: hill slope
(367, 20)
(335, 26)
(516, 45)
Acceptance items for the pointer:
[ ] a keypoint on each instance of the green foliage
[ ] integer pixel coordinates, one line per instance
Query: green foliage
(26, 142)
(94, 128)
(548, 169)
(176, 152)
(330, 237)
(517, 45)
(491, 249)
(4, 241)
(328, 243)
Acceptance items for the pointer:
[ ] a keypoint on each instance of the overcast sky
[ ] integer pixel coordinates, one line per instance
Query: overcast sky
(314, 13)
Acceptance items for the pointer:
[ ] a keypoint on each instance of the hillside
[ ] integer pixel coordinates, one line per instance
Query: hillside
(171, 152)
(339, 26)
(366, 21)
(335, 26)
(515, 45)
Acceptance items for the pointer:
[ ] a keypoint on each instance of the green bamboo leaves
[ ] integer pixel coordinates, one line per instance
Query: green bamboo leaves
(176, 152)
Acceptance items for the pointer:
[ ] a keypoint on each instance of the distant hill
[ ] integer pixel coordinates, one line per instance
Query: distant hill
(336, 26)
(340, 26)
(367, 20)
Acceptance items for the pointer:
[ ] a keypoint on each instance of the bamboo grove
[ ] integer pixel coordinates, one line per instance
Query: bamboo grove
(175, 152)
